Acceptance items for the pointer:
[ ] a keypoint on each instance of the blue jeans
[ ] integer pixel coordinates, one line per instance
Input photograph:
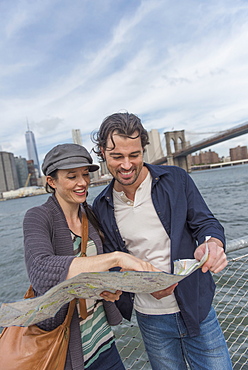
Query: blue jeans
(169, 347)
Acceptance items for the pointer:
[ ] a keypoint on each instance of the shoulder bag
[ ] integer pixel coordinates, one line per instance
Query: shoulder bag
(31, 348)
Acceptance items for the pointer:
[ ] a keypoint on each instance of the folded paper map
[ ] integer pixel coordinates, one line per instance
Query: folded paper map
(90, 285)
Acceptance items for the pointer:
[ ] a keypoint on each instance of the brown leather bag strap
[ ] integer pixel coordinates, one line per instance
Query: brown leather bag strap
(71, 308)
(82, 302)
(84, 240)
(84, 236)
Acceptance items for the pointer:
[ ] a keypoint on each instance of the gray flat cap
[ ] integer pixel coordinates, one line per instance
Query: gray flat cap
(66, 156)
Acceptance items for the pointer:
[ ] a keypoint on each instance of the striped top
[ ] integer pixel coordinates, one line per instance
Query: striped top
(96, 333)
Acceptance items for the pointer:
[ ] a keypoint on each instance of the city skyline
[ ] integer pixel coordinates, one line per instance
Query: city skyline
(76, 138)
(177, 65)
(17, 172)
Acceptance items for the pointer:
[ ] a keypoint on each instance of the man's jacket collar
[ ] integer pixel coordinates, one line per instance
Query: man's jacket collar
(155, 170)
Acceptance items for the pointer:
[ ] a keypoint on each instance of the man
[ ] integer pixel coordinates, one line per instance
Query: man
(157, 214)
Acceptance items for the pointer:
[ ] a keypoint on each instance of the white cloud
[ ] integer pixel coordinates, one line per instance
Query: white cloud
(68, 65)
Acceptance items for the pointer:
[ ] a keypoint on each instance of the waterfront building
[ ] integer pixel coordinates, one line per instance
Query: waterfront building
(154, 149)
(240, 152)
(32, 151)
(8, 172)
(22, 170)
(32, 172)
(206, 157)
(76, 136)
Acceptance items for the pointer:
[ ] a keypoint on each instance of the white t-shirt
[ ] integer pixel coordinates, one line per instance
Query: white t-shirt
(146, 238)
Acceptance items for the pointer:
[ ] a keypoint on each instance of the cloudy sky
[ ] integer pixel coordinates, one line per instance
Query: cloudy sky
(68, 64)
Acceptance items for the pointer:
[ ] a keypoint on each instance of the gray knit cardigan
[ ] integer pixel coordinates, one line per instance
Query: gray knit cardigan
(48, 255)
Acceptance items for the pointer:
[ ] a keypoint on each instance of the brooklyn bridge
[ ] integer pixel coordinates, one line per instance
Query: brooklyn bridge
(178, 150)
(176, 139)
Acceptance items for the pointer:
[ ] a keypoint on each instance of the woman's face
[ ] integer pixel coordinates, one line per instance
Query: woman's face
(71, 185)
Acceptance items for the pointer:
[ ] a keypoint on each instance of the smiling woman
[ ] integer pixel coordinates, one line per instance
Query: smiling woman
(52, 239)
(70, 185)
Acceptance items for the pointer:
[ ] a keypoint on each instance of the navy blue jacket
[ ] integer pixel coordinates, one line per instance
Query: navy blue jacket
(187, 220)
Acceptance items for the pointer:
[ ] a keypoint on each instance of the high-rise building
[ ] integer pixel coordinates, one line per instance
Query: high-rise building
(32, 151)
(22, 171)
(76, 136)
(8, 172)
(154, 149)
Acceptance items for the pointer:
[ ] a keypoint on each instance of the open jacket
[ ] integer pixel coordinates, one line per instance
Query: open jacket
(187, 220)
(48, 255)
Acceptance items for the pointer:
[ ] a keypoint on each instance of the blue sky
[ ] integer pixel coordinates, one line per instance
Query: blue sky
(68, 64)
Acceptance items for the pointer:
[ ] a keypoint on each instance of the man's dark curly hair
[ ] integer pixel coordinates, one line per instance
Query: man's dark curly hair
(124, 124)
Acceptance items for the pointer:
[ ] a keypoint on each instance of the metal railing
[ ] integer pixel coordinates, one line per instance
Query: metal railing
(231, 305)
(231, 302)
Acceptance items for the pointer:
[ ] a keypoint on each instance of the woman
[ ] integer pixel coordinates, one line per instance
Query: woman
(52, 238)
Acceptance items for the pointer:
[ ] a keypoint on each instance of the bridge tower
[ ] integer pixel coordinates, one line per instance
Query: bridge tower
(176, 139)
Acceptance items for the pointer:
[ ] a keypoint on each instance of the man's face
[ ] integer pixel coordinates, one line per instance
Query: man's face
(125, 161)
